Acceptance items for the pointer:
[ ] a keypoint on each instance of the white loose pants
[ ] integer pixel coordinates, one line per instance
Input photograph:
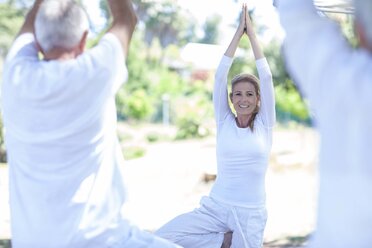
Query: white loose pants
(205, 226)
(141, 239)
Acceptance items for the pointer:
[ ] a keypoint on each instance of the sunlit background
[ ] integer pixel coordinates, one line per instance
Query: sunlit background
(165, 111)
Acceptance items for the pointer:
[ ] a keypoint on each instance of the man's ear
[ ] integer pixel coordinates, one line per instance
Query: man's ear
(83, 42)
(359, 32)
(39, 48)
(362, 36)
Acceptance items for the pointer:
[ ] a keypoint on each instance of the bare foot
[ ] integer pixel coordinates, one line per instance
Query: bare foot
(227, 240)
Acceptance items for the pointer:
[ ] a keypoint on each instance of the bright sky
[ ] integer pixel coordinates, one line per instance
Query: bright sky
(229, 10)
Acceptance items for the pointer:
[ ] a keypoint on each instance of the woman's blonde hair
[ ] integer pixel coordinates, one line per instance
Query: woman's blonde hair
(249, 78)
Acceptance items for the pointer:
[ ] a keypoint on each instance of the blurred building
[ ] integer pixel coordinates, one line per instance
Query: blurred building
(202, 56)
(203, 59)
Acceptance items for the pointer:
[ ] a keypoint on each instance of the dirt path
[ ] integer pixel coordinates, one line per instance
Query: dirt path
(168, 181)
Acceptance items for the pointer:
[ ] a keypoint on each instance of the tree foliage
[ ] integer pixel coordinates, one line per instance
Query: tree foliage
(163, 20)
(155, 67)
(11, 19)
(210, 28)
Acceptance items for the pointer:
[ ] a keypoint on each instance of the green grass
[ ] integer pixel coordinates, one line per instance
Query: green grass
(133, 152)
(124, 137)
(153, 137)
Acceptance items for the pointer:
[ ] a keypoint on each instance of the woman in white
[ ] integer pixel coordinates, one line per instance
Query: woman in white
(234, 213)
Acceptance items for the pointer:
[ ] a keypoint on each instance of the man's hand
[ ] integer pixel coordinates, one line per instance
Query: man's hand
(28, 25)
(124, 21)
(275, 3)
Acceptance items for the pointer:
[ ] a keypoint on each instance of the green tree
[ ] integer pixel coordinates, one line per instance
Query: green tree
(2, 147)
(151, 77)
(164, 20)
(11, 19)
(210, 28)
(136, 104)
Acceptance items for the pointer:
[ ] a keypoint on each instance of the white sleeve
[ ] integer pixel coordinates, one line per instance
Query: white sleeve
(267, 98)
(314, 49)
(220, 97)
(22, 52)
(24, 47)
(109, 54)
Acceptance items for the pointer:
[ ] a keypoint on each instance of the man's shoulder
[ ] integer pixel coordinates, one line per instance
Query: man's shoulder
(109, 39)
(107, 52)
(23, 45)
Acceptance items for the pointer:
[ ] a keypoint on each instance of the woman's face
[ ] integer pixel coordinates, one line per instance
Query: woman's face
(244, 98)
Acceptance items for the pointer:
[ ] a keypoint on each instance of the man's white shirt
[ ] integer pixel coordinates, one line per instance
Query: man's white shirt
(337, 80)
(66, 188)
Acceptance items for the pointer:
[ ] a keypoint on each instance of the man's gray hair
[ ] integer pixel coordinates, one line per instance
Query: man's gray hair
(60, 23)
(363, 14)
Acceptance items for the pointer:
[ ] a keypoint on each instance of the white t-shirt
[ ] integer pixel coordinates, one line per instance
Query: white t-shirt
(242, 155)
(66, 188)
(337, 80)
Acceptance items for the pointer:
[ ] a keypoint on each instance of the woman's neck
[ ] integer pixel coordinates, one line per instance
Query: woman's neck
(243, 120)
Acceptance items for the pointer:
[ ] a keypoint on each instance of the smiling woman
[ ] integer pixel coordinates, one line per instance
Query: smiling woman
(235, 210)
(245, 97)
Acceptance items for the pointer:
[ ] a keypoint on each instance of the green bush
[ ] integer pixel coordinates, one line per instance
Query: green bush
(137, 105)
(192, 117)
(189, 127)
(124, 137)
(133, 152)
(290, 105)
(153, 137)
(2, 146)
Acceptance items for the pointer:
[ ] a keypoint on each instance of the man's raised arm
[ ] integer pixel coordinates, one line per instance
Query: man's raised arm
(28, 25)
(124, 21)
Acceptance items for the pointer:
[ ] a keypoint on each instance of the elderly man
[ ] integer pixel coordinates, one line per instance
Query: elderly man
(66, 189)
(337, 79)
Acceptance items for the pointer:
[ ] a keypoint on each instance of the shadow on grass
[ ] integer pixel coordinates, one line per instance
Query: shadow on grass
(5, 243)
(288, 242)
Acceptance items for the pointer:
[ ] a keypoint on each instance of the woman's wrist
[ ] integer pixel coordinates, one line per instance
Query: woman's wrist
(251, 34)
(239, 33)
